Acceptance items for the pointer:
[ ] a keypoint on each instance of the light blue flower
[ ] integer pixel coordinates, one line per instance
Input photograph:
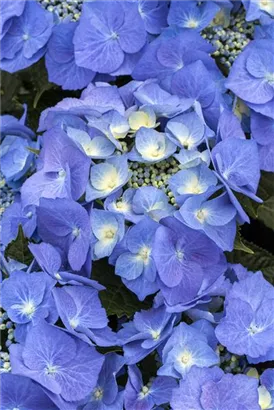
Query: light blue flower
(151, 201)
(186, 130)
(186, 347)
(96, 146)
(194, 181)
(151, 146)
(107, 177)
(108, 229)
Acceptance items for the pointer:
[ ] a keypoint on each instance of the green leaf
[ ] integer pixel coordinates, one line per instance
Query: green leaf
(116, 299)
(266, 212)
(18, 248)
(34, 151)
(261, 260)
(239, 244)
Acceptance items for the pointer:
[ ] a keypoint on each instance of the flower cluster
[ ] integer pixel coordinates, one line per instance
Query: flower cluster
(149, 176)
(81, 38)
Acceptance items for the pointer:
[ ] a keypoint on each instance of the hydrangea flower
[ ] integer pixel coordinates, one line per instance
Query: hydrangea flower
(153, 14)
(185, 348)
(258, 8)
(65, 366)
(50, 261)
(26, 37)
(237, 165)
(166, 58)
(254, 69)
(108, 229)
(148, 330)
(81, 312)
(194, 181)
(121, 202)
(144, 117)
(106, 395)
(151, 146)
(20, 391)
(186, 130)
(204, 388)
(65, 223)
(8, 10)
(16, 158)
(248, 322)
(133, 259)
(62, 173)
(215, 217)
(262, 131)
(145, 397)
(14, 216)
(107, 177)
(106, 34)
(95, 146)
(60, 60)
(188, 264)
(27, 297)
(188, 14)
(163, 103)
(152, 202)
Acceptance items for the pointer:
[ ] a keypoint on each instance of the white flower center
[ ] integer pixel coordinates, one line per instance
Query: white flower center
(192, 23)
(76, 232)
(98, 393)
(155, 334)
(270, 78)
(62, 173)
(201, 215)
(144, 254)
(51, 370)
(25, 37)
(186, 357)
(28, 308)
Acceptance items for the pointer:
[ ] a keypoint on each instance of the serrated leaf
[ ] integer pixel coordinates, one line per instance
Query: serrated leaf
(261, 260)
(116, 299)
(266, 213)
(239, 244)
(18, 248)
(266, 185)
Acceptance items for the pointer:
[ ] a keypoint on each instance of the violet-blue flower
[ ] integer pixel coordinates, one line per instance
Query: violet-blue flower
(108, 229)
(14, 216)
(151, 146)
(190, 182)
(191, 15)
(248, 324)
(145, 397)
(205, 389)
(107, 177)
(106, 34)
(63, 171)
(188, 263)
(185, 348)
(24, 41)
(50, 261)
(148, 330)
(215, 217)
(27, 297)
(106, 394)
(133, 259)
(152, 202)
(66, 366)
(60, 60)
(81, 312)
(65, 223)
(21, 392)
